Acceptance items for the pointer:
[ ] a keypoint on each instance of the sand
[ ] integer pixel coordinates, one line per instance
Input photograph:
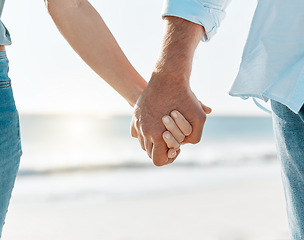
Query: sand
(218, 203)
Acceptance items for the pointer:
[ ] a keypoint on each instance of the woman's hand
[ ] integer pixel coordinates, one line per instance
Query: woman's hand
(177, 129)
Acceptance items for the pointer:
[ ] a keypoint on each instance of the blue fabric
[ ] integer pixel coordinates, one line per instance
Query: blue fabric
(272, 65)
(289, 134)
(10, 146)
(206, 13)
(5, 38)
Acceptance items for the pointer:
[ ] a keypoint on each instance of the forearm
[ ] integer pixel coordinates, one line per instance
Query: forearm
(180, 40)
(88, 35)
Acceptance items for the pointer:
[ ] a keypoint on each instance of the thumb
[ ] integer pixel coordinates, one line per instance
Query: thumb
(160, 154)
(206, 109)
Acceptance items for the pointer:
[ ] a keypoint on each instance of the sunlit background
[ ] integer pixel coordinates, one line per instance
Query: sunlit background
(83, 177)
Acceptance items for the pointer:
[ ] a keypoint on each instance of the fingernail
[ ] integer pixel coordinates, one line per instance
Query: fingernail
(173, 154)
(174, 114)
(166, 120)
(167, 135)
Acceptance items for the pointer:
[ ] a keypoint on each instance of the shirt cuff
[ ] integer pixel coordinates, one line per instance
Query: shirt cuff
(196, 11)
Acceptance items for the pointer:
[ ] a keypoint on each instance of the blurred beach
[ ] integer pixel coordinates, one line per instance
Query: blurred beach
(63, 143)
(84, 177)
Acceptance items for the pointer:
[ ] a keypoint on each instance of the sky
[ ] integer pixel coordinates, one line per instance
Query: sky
(49, 78)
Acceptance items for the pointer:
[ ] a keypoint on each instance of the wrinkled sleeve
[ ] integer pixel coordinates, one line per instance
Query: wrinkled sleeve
(209, 14)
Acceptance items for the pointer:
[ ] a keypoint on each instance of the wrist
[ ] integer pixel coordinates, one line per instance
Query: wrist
(168, 83)
(179, 43)
(136, 92)
(176, 69)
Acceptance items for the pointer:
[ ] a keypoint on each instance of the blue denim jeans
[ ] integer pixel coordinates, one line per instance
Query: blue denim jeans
(10, 147)
(289, 134)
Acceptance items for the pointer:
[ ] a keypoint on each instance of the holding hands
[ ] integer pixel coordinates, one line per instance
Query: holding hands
(156, 126)
(154, 123)
(178, 128)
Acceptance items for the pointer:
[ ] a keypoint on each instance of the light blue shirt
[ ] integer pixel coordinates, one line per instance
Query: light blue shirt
(272, 64)
(5, 38)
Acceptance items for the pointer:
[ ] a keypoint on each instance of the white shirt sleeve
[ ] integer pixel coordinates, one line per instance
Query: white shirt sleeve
(208, 13)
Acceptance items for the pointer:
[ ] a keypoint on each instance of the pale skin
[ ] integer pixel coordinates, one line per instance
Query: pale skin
(88, 35)
(178, 128)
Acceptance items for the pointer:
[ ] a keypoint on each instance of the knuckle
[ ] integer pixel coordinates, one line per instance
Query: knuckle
(188, 133)
(193, 139)
(181, 139)
(177, 146)
(203, 118)
(200, 117)
(197, 139)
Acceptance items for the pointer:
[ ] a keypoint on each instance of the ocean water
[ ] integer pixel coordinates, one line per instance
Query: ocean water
(70, 143)
(74, 169)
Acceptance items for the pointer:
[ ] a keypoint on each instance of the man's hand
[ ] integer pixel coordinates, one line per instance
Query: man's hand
(169, 90)
(157, 100)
